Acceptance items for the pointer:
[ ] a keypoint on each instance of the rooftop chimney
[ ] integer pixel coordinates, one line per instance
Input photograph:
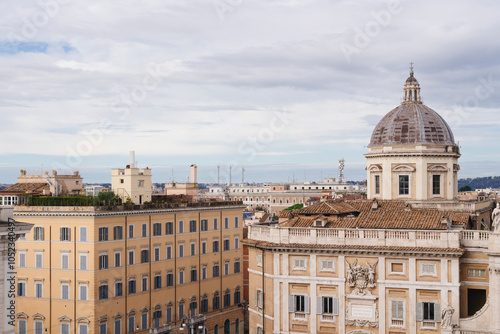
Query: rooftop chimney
(194, 178)
(132, 159)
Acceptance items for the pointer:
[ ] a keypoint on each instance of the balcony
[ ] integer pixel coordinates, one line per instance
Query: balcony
(367, 237)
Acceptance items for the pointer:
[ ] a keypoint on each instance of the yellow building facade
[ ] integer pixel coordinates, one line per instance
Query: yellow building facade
(102, 270)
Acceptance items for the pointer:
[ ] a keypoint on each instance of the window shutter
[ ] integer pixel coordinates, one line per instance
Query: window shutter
(307, 303)
(335, 306)
(69, 233)
(261, 301)
(420, 312)
(319, 305)
(401, 313)
(256, 331)
(61, 234)
(394, 309)
(437, 312)
(41, 233)
(291, 303)
(256, 298)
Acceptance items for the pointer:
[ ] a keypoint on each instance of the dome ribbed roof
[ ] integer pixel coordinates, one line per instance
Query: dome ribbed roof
(412, 123)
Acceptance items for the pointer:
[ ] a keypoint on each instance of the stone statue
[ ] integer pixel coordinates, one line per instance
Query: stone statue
(446, 316)
(371, 274)
(351, 280)
(360, 278)
(496, 219)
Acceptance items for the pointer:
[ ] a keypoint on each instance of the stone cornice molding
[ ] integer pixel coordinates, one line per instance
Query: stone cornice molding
(411, 153)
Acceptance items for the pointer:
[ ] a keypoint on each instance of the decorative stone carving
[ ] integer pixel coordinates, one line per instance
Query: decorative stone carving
(349, 321)
(446, 315)
(495, 216)
(361, 278)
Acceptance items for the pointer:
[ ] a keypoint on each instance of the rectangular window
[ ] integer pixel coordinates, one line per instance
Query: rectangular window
(259, 260)
(259, 299)
(157, 282)
(216, 225)
(236, 222)
(204, 273)
(226, 268)
(38, 260)
(181, 250)
(144, 256)
(204, 225)
(236, 242)
(181, 226)
(102, 329)
(169, 228)
(203, 247)
(237, 297)
(227, 300)
(103, 234)
(156, 229)
(170, 279)
(21, 289)
(65, 328)
(144, 321)
(38, 327)
(157, 253)
(103, 292)
(216, 303)
(118, 289)
(216, 270)
(83, 233)
(476, 272)
(404, 184)
(131, 286)
(22, 327)
(226, 244)
(131, 324)
(204, 306)
(428, 313)
(64, 261)
(192, 309)
(83, 292)
(38, 233)
(118, 259)
(83, 261)
(156, 319)
(169, 252)
(236, 267)
(327, 265)
(144, 229)
(118, 326)
(22, 259)
(397, 313)
(215, 246)
(226, 223)
(181, 276)
(64, 234)
(377, 184)
(194, 275)
(131, 231)
(130, 257)
(103, 262)
(64, 291)
(299, 264)
(193, 249)
(428, 269)
(169, 314)
(144, 284)
(181, 311)
(192, 226)
(118, 232)
(436, 184)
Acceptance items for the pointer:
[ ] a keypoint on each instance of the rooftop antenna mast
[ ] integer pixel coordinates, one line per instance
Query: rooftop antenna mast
(218, 175)
(242, 175)
(230, 167)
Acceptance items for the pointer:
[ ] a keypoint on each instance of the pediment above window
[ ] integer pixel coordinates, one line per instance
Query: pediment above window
(437, 168)
(403, 168)
(375, 168)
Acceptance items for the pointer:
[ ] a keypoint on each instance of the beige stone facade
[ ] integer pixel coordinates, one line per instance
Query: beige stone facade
(88, 270)
(132, 183)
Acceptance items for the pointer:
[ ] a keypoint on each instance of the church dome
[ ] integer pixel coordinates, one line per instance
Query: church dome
(412, 122)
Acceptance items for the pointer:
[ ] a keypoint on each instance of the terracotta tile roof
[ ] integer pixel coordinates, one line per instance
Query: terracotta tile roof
(264, 218)
(388, 215)
(285, 214)
(35, 187)
(333, 208)
(355, 247)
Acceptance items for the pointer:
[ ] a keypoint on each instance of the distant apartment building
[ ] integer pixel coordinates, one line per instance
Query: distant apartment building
(118, 270)
(45, 184)
(93, 190)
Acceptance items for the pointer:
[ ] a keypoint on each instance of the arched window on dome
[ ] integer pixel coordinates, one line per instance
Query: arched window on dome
(409, 98)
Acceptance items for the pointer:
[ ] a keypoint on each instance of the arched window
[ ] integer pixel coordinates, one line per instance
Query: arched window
(237, 326)
(216, 329)
(227, 327)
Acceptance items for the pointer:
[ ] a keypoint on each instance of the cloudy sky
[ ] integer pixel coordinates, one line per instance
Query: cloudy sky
(283, 88)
